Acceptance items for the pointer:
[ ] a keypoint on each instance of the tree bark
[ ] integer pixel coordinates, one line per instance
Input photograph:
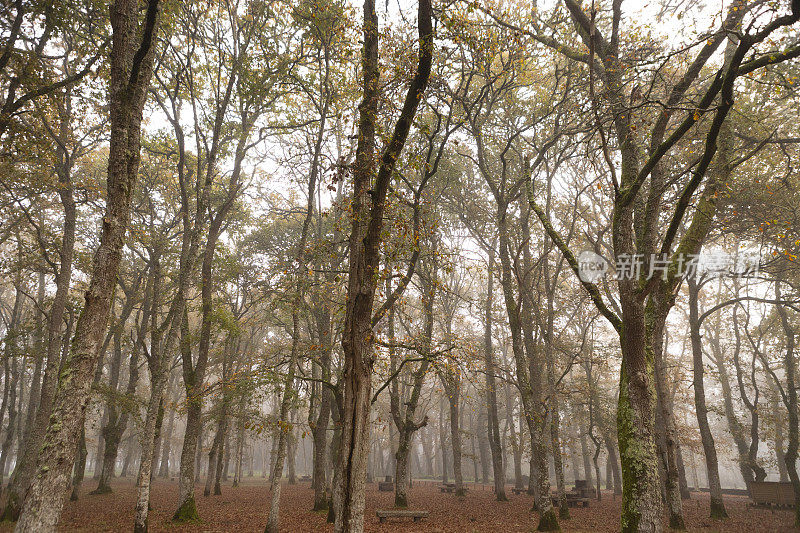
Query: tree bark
(80, 467)
(717, 508)
(404, 419)
(132, 55)
(790, 366)
(493, 426)
(25, 468)
(364, 252)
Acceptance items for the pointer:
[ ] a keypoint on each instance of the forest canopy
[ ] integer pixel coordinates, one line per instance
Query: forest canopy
(512, 244)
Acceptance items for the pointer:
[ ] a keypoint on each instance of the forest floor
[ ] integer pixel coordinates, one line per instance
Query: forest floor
(244, 508)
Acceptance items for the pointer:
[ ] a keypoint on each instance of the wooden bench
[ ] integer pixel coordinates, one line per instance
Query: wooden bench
(573, 500)
(772, 494)
(517, 490)
(577, 502)
(305, 478)
(583, 489)
(417, 515)
(450, 487)
(385, 486)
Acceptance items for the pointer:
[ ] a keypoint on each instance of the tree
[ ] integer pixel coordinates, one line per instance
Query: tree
(365, 240)
(132, 54)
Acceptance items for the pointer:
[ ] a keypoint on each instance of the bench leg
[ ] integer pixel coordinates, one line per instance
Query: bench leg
(382, 519)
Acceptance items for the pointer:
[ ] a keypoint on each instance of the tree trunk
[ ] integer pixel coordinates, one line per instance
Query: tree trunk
(709, 450)
(80, 467)
(214, 457)
(641, 498)
(790, 366)
(404, 419)
(734, 425)
(319, 429)
(454, 394)
(166, 442)
(132, 55)
(320, 435)
(491, 389)
(273, 519)
(783, 474)
(12, 399)
(364, 250)
(26, 465)
(516, 441)
(160, 352)
(611, 449)
(585, 455)
(658, 309)
(443, 444)
(118, 422)
(34, 393)
(528, 365)
(12, 350)
(291, 450)
(187, 509)
(481, 434)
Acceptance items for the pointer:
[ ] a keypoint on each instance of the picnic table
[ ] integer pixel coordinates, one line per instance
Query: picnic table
(449, 487)
(771, 494)
(416, 514)
(573, 498)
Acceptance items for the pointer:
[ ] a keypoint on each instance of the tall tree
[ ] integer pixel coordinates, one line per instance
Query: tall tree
(368, 204)
(132, 53)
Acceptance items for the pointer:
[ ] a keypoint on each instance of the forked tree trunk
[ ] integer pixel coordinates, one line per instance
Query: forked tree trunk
(118, 422)
(364, 250)
(404, 419)
(658, 308)
(528, 368)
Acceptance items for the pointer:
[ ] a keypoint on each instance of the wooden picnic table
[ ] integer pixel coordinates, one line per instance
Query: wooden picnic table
(449, 487)
(772, 494)
(416, 514)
